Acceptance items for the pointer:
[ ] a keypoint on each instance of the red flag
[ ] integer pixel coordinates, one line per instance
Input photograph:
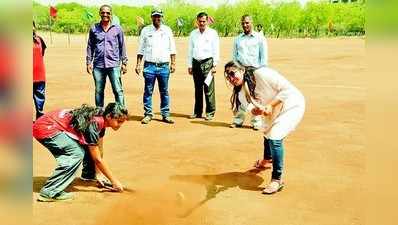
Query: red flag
(210, 20)
(53, 12)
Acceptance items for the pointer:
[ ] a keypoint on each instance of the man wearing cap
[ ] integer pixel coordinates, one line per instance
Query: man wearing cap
(251, 51)
(203, 56)
(106, 56)
(157, 51)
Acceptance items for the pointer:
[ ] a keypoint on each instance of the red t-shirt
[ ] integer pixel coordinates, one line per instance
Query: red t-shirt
(39, 73)
(52, 123)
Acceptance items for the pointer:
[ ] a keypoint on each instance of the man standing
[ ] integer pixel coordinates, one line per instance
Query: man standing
(250, 48)
(251, 51)
(39, 73)
(106, 50)
(157, 49)
(203, 56)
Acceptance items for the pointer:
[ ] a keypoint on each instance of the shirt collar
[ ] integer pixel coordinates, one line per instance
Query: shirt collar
(160, 28)
(252, 34)
(205, 31)
(99, 26)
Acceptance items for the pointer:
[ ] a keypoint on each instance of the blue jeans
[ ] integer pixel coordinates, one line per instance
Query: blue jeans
(273, 149)
(39, 96)
(161, 73)
(69, 155)
(114, 75)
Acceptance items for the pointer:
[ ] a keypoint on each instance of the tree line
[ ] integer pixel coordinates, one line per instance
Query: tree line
(287, 20)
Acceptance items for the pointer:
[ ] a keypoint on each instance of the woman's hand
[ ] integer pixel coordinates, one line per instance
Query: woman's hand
(258, 111)
(117, 186)
(268, 109)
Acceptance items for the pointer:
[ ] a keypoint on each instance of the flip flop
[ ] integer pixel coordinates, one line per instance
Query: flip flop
(259, 166)
(273, 187)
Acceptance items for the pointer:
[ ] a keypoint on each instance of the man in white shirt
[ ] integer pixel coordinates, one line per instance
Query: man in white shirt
(157, 49)
(203, 56)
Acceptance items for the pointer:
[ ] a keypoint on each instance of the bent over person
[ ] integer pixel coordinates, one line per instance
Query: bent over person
(70, 136)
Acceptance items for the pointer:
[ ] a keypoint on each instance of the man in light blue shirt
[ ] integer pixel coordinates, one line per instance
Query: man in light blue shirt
(250, 48)
(251, 51)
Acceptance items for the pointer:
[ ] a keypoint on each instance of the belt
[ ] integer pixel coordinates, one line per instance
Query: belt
(202, 61)
(157, 64)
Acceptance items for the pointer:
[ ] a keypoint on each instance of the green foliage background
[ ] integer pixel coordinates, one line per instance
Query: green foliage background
(315, 19)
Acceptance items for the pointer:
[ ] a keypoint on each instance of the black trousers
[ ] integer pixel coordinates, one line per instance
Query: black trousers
(200, 70)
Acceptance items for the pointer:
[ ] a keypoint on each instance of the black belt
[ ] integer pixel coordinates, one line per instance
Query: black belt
(201, 61)
(157, 64)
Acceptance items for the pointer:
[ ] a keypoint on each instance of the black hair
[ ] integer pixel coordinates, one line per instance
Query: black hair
(107, 6)
(202, 14)
(115, 110)
(248, 78)
(83, 116)
(245, 16)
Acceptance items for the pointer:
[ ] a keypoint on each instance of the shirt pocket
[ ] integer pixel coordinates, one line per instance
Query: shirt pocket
(148, 42)
(99, 37)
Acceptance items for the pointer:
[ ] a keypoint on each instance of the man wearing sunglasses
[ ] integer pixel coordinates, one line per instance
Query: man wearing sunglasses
(106, 56)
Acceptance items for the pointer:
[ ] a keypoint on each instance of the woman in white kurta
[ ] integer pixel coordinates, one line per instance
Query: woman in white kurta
(273, 96)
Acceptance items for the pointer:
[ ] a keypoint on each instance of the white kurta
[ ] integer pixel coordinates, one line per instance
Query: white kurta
(239, 116)
(272, 85)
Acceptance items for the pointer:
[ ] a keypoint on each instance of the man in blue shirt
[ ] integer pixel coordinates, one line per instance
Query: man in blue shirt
(251, 51)
(106, 52)
(250, 48)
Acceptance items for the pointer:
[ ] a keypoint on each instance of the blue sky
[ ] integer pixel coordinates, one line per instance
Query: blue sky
(142, 2)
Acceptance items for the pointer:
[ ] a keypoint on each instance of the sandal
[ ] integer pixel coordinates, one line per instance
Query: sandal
(273, 187)
(263, 164)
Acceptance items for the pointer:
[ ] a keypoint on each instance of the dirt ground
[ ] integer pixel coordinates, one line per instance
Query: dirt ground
(207, 162)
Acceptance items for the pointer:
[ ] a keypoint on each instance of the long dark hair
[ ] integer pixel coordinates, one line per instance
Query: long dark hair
(248, 78)
(83, 116)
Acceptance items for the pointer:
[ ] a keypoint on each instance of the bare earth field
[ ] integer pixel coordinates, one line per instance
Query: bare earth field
(207, 162)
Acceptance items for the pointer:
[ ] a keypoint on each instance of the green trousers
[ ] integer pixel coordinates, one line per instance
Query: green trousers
(69, 155)
(200, 70)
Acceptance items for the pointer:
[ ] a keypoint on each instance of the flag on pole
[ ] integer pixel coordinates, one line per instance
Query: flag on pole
(210, 20)
(180, 22)
(115, 20)
(53, 12)
(140, 21)
(88, 15)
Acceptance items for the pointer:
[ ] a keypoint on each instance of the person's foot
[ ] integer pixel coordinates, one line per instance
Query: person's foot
(88, 179)
(194, 116)
(234, 125)
(256, 127)
(263, 164)
(167, 119)
(62, 196)
(209, 117)
(273, 187)
(146, 120)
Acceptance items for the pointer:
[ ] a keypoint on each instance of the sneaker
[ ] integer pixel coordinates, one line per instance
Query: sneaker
(234, 125)
(62, 196)
(209, 117)
(146, 120)
(256, 127)
(168, 120)
(194, 116)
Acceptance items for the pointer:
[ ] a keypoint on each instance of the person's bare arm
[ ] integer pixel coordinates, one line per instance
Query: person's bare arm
(173, 63)
(103, 167)
(138, 67)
